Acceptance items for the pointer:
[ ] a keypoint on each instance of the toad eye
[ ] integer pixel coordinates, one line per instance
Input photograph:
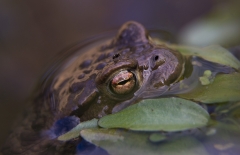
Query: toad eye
(123, 83)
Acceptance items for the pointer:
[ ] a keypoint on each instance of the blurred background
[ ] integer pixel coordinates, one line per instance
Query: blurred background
(32, 33)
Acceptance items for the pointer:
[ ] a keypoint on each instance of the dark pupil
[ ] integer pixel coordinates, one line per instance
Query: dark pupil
(156, 58)
(123, 82)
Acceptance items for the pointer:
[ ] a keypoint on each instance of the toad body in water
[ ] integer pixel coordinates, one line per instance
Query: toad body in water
(102, 80)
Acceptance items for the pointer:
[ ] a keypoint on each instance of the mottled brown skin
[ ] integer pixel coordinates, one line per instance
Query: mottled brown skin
(83, 88)
(131, 50)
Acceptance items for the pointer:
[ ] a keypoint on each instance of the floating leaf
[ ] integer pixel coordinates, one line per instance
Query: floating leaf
(207, 73)
(212, 53)
(205, 79)
(167, 114)
(75, 132)
(224, 88)
(119, 142)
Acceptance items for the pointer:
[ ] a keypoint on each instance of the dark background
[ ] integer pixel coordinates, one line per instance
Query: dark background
(33, 32)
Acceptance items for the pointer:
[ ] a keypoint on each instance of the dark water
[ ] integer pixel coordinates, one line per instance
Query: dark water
(221, 136)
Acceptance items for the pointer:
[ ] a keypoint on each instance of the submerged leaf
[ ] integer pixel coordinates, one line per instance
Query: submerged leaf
(119, 142)
(75, 132)
(167, 114)
(224, 88)
(157, 137)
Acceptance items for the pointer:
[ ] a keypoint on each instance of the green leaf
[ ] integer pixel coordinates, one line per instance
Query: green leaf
(224, 88)
(157, 137)
(212, 53)
(75, 132)
(120, 142)
(167, 114)
(205, 79)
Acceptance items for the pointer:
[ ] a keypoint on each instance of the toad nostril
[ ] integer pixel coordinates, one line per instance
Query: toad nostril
(156, 61)
(116, 56)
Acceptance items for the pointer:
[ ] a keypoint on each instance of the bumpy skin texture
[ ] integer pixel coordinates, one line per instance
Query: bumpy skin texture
(81, 90)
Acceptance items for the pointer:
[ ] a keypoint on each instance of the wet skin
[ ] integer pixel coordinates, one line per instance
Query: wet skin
(101, 81)
(109, 78)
